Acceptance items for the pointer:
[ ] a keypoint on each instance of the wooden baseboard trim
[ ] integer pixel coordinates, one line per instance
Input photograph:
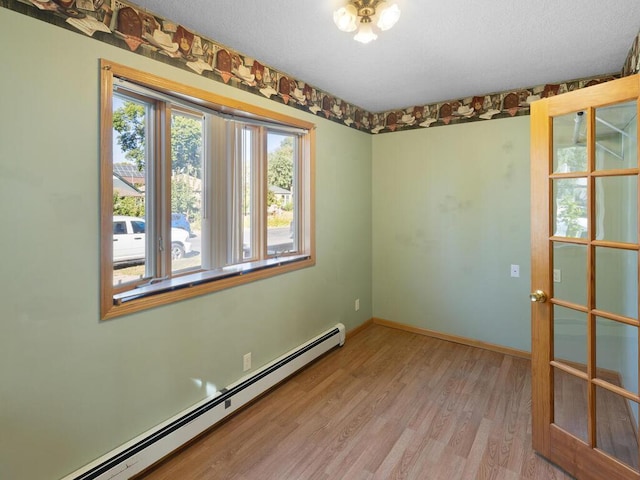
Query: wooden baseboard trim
(359, 328)
(454, 338)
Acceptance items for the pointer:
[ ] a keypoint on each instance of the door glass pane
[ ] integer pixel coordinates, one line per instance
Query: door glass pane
(186, 191)
(617, 426)
(616, 132)
(617, 353)
(570, 404)
(281, 202)
(570, 207)
(570, 272)
(569, 143)
(570, 337)
(130, 153)
(617, 281)
(617, 209)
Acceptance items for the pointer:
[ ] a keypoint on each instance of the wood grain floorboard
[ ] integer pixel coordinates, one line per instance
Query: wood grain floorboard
(389, 404)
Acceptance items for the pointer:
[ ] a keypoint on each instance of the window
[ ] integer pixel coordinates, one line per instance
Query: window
(198, 192)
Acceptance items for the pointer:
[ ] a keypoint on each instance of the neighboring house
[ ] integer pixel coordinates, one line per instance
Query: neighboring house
(124, 188)
(130, 173)
(282, 195)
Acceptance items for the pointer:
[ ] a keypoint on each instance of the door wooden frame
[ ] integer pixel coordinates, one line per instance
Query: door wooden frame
(575, 456)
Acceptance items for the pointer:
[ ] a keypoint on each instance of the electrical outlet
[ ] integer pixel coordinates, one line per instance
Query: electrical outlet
(357, 304)
(246, 362)
(515, 270)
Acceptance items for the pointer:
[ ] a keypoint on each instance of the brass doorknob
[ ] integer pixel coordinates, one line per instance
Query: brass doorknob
(538, 296)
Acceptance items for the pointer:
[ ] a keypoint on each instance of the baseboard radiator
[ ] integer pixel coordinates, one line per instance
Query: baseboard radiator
(146, 449)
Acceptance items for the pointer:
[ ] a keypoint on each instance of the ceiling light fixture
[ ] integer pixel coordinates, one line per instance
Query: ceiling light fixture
(378, 12)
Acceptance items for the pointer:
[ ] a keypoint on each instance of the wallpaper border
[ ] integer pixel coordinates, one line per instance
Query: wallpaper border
(632, 63)
(127, 26)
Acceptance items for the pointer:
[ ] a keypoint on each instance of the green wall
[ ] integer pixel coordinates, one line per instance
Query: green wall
(422, 226)
(71, 387)
(450, 216)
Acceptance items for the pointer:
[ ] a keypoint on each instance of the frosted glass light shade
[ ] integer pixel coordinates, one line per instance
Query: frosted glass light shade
(388, 15)
(365, 34)
(345, 18)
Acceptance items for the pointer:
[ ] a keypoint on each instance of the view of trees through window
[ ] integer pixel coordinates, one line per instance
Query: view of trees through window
(199, 193)
(571, 193)
(280, 192)
(186, 158)
(130, 120)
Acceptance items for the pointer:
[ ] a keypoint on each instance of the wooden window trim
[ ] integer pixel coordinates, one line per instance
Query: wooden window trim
(202, 282)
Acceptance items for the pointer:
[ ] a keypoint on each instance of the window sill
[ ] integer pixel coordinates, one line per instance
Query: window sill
(200, 283)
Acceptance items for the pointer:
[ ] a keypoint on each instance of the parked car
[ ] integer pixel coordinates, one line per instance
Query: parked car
(129, 241)
(179, 220)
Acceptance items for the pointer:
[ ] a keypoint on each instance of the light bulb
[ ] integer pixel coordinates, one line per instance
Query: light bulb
(345, 18)
(388, 15)
(365, 34)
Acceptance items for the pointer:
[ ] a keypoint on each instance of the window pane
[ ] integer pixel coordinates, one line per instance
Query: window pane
(617, 426)
(241, 235)
(617, 281)
(569, 143)
(616, 143)
(570, 207)
(249, 142)
(129, 186)
(570, 404)
(281, 193)
(617, 211)
(186, 190)
(617, 353)
(570, 337)
(570, 265)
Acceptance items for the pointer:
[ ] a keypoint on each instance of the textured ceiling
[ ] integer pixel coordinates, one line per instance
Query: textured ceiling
(438, 50)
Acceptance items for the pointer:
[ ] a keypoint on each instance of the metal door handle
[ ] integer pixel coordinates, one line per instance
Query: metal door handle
(538, 296)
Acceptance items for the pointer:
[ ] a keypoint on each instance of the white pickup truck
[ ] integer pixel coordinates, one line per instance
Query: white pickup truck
(129, 241)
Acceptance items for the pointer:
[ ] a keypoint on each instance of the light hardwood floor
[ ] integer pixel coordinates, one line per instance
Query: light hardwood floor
(389, 404)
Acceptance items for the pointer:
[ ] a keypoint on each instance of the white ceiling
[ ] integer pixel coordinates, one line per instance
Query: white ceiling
(438, 50)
